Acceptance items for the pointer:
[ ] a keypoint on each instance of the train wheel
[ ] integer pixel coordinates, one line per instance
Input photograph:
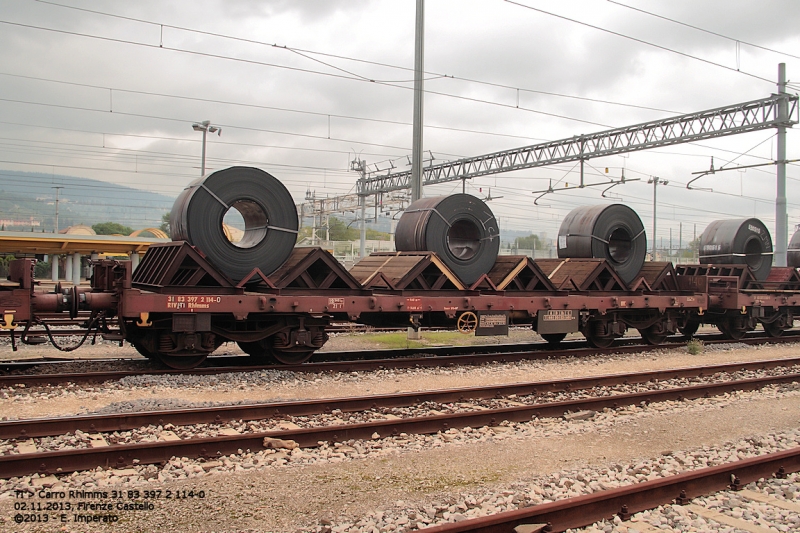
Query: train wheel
(689, 329)
(467, 322)
(181, 362)
(651, 337)
(597, 334)
(144, 351)
(553, 338)
(773, 329)
(730, 330)
(599, 342)
(292, 358)
(257, 351)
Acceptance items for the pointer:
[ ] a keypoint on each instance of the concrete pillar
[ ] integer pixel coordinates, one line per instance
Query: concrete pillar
(68, 268)
(54, 268)
(95, 256)
(134, 260)
(76, 268)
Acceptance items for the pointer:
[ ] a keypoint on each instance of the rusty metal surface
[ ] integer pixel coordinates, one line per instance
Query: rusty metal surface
(313, 268)
(581, 274)
(177, 266)
(782, 279)
(519, 273)
(659, 276)
(585, 510)
(124, 421)
(123, 455)
(404, 271)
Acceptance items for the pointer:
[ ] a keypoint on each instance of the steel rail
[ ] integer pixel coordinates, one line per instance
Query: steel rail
(40, 427)
(471, 355)
(680, 488)
(119, 455)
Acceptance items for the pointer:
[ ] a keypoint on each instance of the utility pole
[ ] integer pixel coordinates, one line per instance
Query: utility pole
(58, 190)
(781, 218)
(655, 180)
(416, 147)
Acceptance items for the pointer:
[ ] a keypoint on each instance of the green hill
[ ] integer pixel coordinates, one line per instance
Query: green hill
(27, 201)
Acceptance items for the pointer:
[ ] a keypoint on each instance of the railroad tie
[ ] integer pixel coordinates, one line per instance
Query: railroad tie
(641, 527)
(726, 520)
(530, 528)
(770, 500)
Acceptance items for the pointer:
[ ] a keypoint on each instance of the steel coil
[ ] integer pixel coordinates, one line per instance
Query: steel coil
(740, 241)
(265, 205)
(793, 254)
(460, 228)
(611, 232)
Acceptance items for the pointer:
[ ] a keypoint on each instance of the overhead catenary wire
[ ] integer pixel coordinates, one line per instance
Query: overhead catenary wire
(182, 139)
(662, 17)
(308, 71)
(264, 107)
(348, 58)
(142, 115)
(641, 41)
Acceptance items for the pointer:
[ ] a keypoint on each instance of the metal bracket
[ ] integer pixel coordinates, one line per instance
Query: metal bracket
(8, 321)
(144, 320)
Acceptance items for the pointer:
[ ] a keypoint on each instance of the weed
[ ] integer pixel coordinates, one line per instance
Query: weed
(695, 346)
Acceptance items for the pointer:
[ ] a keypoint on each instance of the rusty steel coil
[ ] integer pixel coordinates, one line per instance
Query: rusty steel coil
(738, 241)
(793, 254)
(460, 228)
(611, 232)
(265, 205)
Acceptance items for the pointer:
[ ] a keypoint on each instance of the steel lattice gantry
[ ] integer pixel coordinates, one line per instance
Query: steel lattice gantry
(729, 120)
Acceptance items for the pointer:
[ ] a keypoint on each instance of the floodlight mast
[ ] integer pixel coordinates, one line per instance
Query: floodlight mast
(206, 128)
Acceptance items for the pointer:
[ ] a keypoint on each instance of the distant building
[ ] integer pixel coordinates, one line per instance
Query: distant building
(31, 222)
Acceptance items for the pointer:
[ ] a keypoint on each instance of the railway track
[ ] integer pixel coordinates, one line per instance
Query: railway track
(623, 502)
(369, 360)
(124, 455)
(125, 421)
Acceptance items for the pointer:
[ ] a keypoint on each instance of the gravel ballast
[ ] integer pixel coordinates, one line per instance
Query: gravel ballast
(391, 484)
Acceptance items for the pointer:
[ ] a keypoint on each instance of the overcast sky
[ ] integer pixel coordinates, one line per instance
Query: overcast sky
(302, 87)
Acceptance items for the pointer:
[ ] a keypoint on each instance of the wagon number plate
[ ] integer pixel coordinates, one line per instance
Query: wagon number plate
(557, 321)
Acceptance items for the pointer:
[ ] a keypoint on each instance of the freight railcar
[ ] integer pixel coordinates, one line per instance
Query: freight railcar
(275, 300)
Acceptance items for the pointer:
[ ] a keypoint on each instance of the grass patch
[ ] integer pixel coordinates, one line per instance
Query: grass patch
(695, 346)
(399, 339)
